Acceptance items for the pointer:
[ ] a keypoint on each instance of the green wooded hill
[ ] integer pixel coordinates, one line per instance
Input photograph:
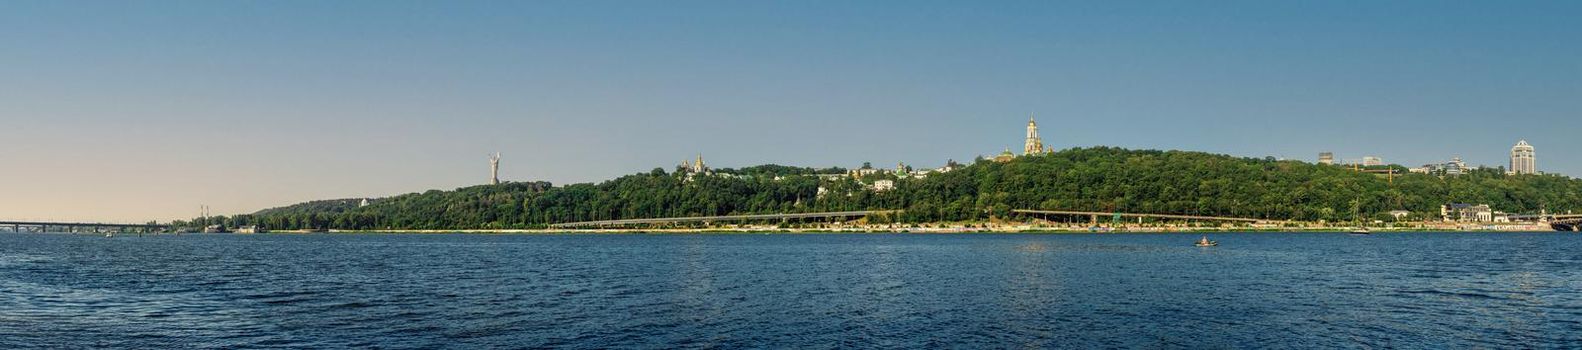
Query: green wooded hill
(1087, 179)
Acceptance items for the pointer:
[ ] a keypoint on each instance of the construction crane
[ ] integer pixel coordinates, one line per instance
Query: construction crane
(1389, 172)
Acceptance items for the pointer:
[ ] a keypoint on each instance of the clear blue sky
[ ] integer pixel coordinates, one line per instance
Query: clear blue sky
(132, 110)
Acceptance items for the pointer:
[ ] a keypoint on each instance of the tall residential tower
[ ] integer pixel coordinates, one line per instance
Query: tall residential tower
(1523, 159)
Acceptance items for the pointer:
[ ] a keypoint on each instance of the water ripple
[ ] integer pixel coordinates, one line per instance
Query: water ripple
(1425, 291)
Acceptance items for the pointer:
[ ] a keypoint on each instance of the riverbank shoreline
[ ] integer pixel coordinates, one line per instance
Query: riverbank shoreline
(951, 230)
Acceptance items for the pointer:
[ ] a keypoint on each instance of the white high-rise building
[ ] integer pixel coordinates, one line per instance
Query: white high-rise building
(1523, 159)
(1372, 161)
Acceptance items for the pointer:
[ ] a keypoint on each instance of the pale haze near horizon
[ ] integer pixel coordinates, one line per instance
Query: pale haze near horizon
(134, 111)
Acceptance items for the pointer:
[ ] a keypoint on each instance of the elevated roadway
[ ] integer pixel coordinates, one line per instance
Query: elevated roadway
(40, 226)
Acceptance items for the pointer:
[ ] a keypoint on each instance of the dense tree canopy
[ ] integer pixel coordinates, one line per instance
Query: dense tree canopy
(1088, 179)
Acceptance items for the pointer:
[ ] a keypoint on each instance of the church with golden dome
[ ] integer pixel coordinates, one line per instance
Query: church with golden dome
(1034, 144)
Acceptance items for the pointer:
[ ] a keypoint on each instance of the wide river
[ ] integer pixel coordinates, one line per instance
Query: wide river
(1268, 290)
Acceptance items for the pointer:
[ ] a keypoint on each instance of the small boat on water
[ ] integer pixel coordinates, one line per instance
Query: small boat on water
(1204, 242)
(109, 234)
(1362, 226)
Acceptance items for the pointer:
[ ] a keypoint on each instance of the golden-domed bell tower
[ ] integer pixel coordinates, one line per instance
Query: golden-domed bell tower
(1034, 144)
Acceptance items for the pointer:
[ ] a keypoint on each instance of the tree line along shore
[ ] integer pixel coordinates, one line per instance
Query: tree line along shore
(977, 196)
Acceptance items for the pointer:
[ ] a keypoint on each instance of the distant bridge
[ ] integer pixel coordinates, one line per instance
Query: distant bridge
(626, 222)
(77, 227)
(1559, 222)
(1573, 225)
(1548, 216)
(1095, 216)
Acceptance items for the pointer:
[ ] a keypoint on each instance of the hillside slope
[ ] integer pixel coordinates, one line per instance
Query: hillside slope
(1090, 179)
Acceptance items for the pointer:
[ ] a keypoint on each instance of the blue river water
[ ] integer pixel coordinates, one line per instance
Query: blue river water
(1256, 290)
